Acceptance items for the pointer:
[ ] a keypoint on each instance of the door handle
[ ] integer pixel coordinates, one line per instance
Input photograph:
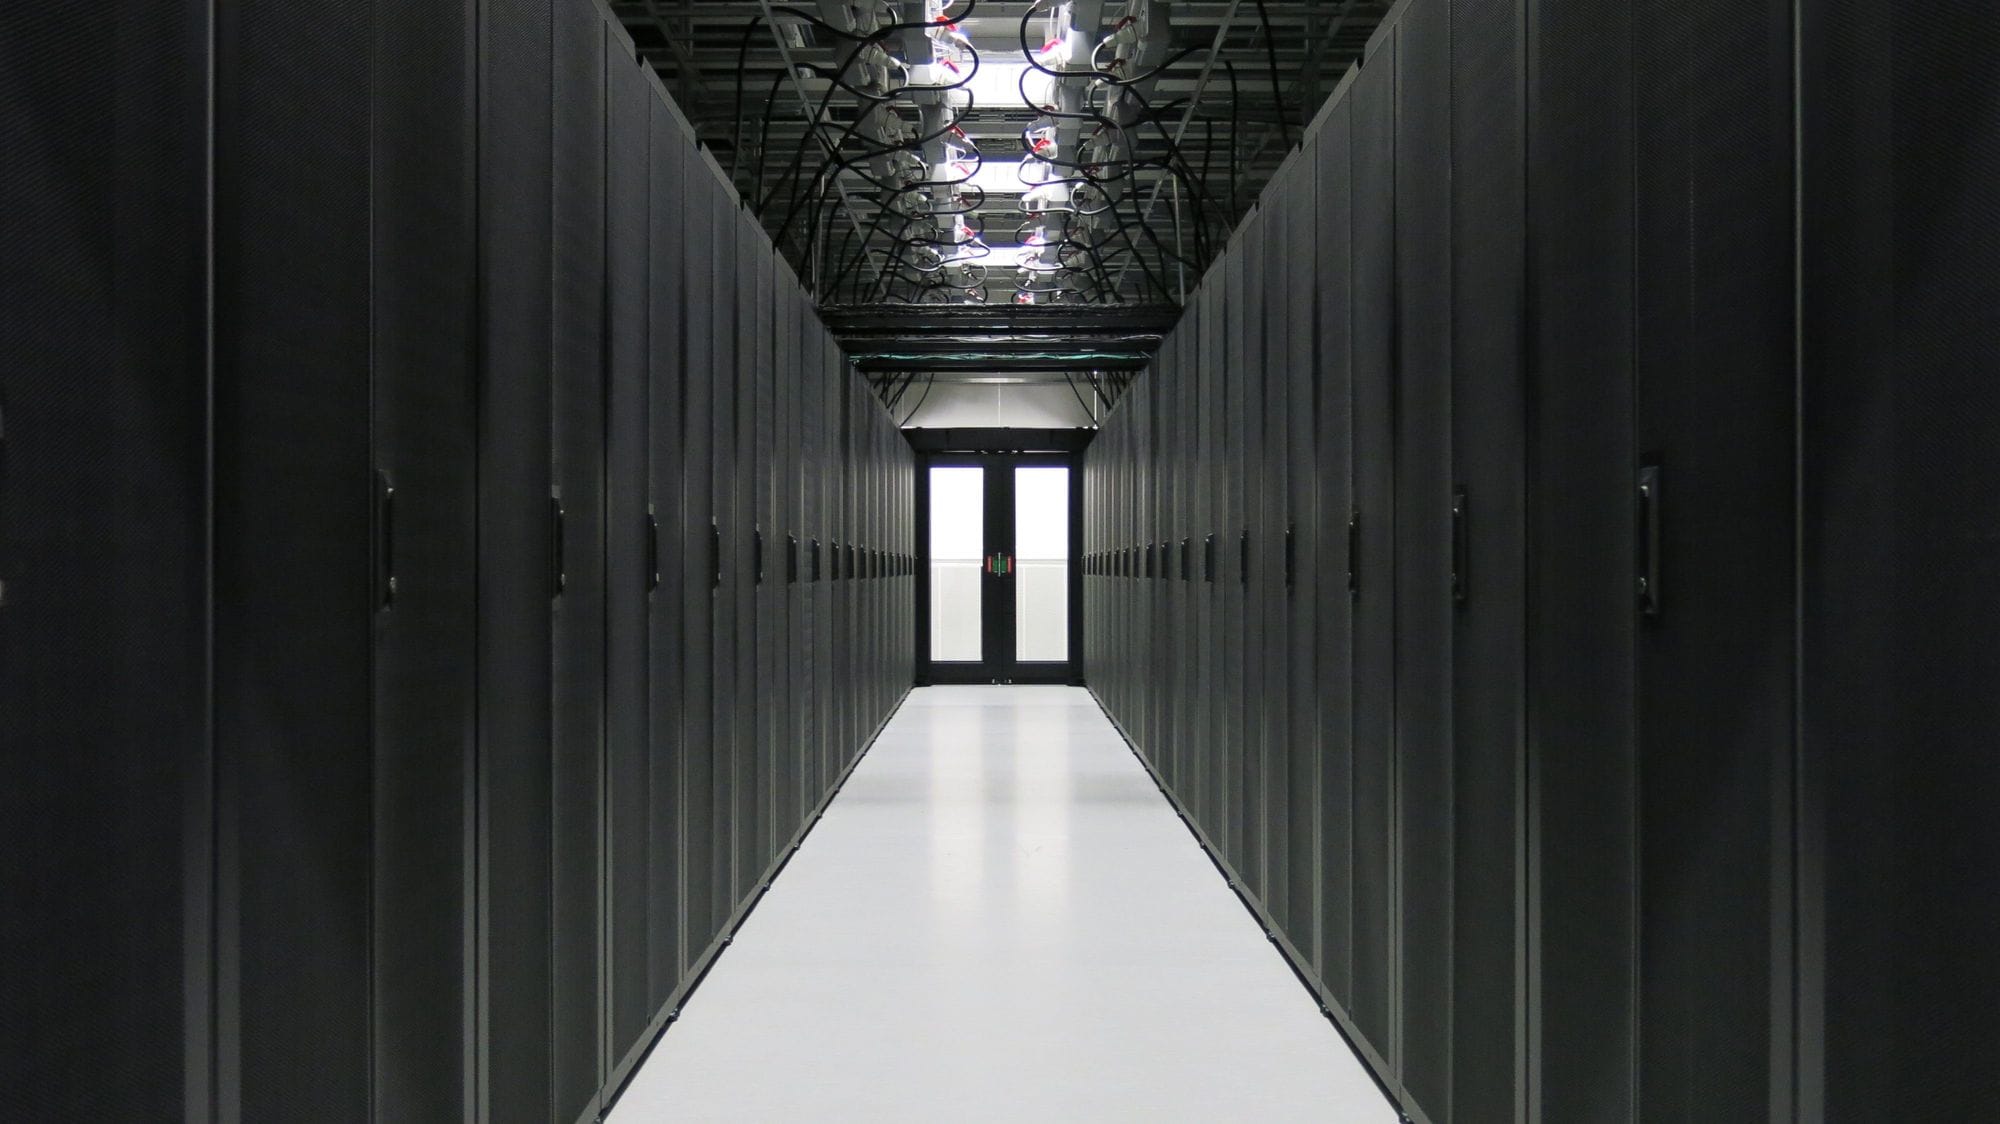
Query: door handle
(1208, 559)
(652, 550)
(1291, 555)
(385, 542)
(1354, 554)
(791, 559)
(558, 547)
(1243, 559)
(714, 554)
(1461, 573)
(1649, 540)
(757, 555)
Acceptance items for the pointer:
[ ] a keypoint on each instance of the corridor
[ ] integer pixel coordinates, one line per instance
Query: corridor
(1001, 918)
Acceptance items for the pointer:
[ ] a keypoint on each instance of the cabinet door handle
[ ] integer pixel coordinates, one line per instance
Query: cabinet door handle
(652, 551)
(1243, 559)
(558, 547)
(1354, 553)
(1649, 540)
(385, 542)
(757, 555)
(1461, 574)
(1208, 559)
(714, 554)
(1291, 556)
(791, 560)
(1187, 560)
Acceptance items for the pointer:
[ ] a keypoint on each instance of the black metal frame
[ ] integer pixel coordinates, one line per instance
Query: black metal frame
(997, 603)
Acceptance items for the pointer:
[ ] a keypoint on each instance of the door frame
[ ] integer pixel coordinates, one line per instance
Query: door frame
(998, 670)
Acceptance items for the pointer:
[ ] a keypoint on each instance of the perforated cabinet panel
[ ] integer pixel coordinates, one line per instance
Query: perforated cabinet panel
(1900, 150)
(633, 660)
(1333, 654)
(423, 175)
(705, 853)
(103, 551)
(517, 573)
(1488, 213)
(1374, 350)
(294, 516)
(1423, 548)
(1300, 556)
(1580, 643)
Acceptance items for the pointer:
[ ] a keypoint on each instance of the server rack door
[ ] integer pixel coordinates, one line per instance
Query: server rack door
(1238, 823)
(793, 795)
(1373, 106)
(1580, 644)
(767, 586)
(704, 862)
(293, 566)
(674, 780)
(826, 499)
(425, 243)
(1423, 599)
(1900, 992)
(1268, 547)
(1333, 614)
(104, 552)
(1173, 485)
(578, 407)
(750, 822)
(517, 570)
(1216, 728)
(729, 532)
(1488, 429)
(1182, 641)
(1715, 386)
(1302, 560)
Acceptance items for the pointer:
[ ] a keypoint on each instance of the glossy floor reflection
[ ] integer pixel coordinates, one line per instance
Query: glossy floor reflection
(1000, 918)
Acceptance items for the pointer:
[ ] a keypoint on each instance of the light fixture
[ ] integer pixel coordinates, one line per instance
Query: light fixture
(997, 177)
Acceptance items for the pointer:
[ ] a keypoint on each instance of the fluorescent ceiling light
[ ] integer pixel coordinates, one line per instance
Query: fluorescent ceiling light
(997, 177)
(997, 83)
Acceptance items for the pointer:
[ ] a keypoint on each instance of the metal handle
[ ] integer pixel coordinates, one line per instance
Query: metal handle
(1461, 573)
(757, 555)
(1208, 558)
(714, 554)
(1354, 553)
(652, 551)
(1243, 559)
(812, 562)
(385, 542)
(1291, 556)
(558, 547)
(1649, 540)
(791, 559)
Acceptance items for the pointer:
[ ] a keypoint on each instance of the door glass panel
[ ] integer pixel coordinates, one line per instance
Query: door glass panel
(1041, 555)
(958, 543)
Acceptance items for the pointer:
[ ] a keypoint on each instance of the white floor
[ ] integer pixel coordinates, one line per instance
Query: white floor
(1000, 918)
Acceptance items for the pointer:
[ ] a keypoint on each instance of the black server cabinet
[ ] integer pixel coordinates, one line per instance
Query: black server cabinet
(705, 858)
(104, 560)
(825, 398)
(1710, 477)
(1581, 640)
(1297, 544)
(296, 500)
(728, 550)
(1251, 553)
(1272, 551)
(638, 284)
(750, 823)
(425, 385)
(1900, 992)
(1239, 742)
(1489, 426)
(1423, 537)
(1373, 920)
(664, 567)
(767, 539)
(517, 572)
(1337, 595)
(1216, 730)
(578, 409)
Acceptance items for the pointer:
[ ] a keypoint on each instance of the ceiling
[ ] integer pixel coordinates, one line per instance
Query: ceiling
(833, 118)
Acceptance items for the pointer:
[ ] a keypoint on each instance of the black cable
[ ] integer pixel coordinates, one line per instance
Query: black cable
(1277, 91)
(920, 401)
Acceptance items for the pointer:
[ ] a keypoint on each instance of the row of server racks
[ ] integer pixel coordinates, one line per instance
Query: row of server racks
(1551, 563)
(447, 563)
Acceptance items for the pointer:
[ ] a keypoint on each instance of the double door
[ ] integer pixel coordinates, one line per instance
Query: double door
(1000, 593)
